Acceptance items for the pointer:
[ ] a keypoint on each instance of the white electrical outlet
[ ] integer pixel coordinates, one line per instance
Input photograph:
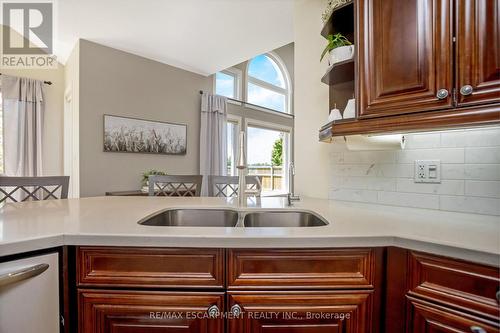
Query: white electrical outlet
(427, 171)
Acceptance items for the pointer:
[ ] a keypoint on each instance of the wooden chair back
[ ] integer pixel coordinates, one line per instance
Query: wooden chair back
(175, 186)
(15, 189)
(227, 186)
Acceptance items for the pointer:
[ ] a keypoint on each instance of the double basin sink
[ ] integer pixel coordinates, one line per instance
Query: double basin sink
(232, 218)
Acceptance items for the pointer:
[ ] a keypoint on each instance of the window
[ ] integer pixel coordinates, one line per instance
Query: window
(268, 156)
(268, 144)
(228, 83)
(268, 84)
(232, 130)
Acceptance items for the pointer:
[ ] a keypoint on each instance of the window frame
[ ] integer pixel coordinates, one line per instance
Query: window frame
(287, 91)
(237, 74)
(287, 142)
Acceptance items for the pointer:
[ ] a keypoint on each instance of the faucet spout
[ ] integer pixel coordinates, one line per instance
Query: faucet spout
(291, 195)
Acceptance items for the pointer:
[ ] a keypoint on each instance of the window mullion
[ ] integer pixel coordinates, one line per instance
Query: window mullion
(267, 85)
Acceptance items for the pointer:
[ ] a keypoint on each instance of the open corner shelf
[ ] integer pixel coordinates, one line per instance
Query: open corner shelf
(343, 16)
(339, 73)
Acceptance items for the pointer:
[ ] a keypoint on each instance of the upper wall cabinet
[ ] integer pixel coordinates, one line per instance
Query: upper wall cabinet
(478, 51)
(423, 65)
(405, 56)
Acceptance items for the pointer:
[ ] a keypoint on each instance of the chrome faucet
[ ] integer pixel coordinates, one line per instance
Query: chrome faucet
(242, 166)
(291, 196)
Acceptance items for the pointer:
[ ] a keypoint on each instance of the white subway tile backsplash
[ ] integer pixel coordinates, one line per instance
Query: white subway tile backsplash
(482, 138)
(482, 171)
(470, 172)
(368, 157)
(452, 171)
(367, 183)
(337, 157)
(359, 170)
(445, 155)
(481, 188)
(453, 139)
(354, 195)
(425, 140)
(466, 204)
(482, 155)
(454, 187)
(405, 170)
(409, 199)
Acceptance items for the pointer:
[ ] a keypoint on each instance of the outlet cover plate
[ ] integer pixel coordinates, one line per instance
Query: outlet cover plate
(428, 171)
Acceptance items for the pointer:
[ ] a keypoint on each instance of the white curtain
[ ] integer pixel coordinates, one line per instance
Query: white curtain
(23, 108)
(213, 141)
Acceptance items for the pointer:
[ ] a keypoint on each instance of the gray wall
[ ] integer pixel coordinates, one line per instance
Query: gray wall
(119, 83)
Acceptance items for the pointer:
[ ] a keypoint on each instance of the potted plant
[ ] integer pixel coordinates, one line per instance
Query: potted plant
(145, 178)
(340, 49)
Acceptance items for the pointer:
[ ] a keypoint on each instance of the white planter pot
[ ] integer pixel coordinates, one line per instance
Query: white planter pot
(342, 53)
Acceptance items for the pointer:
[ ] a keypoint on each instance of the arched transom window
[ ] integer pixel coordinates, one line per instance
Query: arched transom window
(268, 83)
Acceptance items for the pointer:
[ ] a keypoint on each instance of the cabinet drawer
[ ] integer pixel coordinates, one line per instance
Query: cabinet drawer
(104, 311)
(304, 269)
(424, 317)
(464, 285)
(150, 267)
(304, 312)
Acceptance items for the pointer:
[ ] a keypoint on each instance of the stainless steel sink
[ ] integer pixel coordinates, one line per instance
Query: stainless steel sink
(282, 219)
(193, 218)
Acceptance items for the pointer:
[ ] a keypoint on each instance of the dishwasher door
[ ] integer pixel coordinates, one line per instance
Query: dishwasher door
(29, 295)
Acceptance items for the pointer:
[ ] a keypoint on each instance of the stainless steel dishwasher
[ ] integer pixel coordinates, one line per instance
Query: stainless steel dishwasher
(29, 295)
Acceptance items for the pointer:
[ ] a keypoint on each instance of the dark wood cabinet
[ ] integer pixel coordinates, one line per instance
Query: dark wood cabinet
(140, 267)
(105, 311)
(405, 56)
(301, 269)
(455, 283)
(477, 52)
(423, 65)
(345, 290)
(425, 317)
(301, 312)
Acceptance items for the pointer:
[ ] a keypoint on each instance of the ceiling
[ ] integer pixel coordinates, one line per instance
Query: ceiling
(202, 36)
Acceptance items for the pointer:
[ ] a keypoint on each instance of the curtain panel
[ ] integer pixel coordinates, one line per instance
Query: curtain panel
(23, 110)
(213, 139)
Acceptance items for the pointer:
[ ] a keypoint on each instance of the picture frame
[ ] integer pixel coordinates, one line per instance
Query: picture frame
(134, 135)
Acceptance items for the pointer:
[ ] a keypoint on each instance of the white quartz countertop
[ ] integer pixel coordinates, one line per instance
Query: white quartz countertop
(112, 221)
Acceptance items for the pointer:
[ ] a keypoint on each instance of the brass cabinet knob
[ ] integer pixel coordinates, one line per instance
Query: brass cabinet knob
(466, 90)
(442, 93)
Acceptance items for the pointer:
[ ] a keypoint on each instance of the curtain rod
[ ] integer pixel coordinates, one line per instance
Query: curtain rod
(288, 115)
(46, 82)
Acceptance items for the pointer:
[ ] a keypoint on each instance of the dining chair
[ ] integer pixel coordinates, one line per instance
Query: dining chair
(175, 186)
(16, 189)
(227, 186)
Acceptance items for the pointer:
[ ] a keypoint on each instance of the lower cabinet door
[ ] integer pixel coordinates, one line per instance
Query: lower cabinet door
(106, 311)
(425, 317)
(300, 312)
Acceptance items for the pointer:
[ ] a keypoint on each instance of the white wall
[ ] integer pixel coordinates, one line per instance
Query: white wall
(72, 121)
(311, 101)
(470, 172)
